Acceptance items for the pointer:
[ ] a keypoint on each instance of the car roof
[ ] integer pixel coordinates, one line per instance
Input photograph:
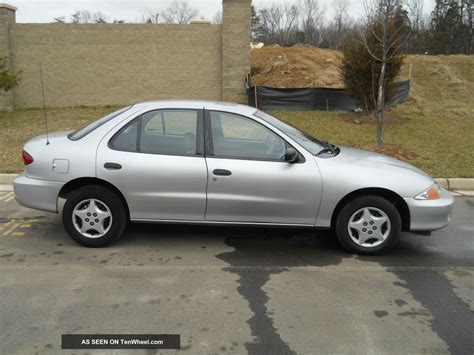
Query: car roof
(198, 104)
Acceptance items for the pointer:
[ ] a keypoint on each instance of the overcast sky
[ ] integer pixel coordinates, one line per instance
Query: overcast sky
(132, 10)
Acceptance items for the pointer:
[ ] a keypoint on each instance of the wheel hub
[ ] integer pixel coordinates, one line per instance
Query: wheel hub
(369, 227)
(92, 218)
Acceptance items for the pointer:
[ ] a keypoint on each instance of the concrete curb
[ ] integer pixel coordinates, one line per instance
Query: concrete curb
(447, 183)
(7, 179)
(464, 184)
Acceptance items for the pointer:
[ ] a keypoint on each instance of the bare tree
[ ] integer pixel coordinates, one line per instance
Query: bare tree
(179, 12)
(289, 24)
(311, 21)
(151, 16)
(76, 17)
(337, 29)
(383, 37)
(269, 24)
(60, 19)
(415, 13)
(341, 16)
(83, 16)
(99, 17)
(277, 24)
(470, 20)
(217, 19)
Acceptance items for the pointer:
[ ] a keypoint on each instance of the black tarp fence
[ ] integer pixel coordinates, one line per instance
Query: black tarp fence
(303, 99)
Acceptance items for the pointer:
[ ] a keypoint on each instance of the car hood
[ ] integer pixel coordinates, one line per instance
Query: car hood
(354, 169)
(368, 158)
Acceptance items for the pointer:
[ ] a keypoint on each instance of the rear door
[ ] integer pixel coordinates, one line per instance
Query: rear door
(157, 162)
(249, 181)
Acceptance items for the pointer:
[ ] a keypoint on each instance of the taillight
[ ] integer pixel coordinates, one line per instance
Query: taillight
(27, 158)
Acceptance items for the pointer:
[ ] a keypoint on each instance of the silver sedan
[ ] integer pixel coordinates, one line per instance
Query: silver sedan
(206, 162)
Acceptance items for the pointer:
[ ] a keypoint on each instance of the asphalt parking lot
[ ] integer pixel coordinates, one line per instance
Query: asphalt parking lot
(236, 290)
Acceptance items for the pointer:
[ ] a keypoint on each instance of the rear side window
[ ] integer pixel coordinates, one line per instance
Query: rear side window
(170, 132)
(126, 139)
(81, 133)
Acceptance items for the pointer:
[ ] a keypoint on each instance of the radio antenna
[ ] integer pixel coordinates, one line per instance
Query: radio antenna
(44, 105)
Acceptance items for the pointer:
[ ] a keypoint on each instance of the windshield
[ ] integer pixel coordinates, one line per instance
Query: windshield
(80, 133)
(313, 145)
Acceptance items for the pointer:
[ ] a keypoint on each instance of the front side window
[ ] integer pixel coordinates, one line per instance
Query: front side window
(240, 137)
(307, 141)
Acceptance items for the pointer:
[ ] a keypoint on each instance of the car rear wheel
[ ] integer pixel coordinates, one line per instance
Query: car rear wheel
(368, 225)
(94, 216)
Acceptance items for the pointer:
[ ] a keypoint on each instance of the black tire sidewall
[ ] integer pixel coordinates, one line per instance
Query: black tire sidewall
(368, 201)
(107, 196)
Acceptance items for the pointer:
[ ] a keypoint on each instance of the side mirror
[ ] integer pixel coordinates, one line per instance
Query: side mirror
(291, 155)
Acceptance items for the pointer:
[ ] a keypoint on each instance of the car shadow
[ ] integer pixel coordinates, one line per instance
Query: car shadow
(262, 245)
(298, 247)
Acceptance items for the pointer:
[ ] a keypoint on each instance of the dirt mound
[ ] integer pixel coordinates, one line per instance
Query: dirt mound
(296, 66)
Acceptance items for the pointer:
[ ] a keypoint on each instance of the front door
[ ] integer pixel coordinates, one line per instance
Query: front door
(157, 162)
(248, 179)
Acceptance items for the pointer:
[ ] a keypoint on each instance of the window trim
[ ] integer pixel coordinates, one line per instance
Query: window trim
(209, 144)
(199, 133)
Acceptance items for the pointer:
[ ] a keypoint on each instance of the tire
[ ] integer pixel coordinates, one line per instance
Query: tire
(368, 225)
(94, 216)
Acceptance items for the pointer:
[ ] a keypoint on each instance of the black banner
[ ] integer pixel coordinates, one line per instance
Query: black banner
(304, 99)
(121, 341)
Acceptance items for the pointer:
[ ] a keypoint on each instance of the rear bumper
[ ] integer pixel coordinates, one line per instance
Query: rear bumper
(430, 215)
(37, 194)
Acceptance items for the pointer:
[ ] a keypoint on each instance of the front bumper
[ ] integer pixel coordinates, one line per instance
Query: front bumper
(37, 194)
(429, 215)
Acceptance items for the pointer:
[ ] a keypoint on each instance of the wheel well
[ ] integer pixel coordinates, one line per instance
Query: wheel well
(396, 199)
(75, 184)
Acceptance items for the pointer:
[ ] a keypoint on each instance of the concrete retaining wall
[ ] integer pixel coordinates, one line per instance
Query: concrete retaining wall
(100, 64)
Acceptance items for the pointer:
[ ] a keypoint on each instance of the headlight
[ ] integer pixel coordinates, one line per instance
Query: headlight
(433, 193)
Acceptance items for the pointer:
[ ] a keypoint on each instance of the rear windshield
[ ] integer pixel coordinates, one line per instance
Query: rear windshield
(80, 133)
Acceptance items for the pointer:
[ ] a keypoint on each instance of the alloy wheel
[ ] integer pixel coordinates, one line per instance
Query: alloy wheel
(369, 227)
(92, 218)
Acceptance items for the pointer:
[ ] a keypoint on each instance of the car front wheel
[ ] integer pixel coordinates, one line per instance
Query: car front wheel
(94, 216)
(368, 225)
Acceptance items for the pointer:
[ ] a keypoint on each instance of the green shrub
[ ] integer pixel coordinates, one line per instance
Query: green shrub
(8, 79)
(360, 70)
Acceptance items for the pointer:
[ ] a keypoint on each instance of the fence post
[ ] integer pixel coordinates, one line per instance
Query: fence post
(409, 72)
(256, 96)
